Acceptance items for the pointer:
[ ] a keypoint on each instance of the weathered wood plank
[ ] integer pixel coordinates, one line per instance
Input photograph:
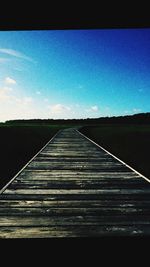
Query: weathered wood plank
(78, 180)
(73, 159)
(94, 211)
(74, 203)
(76, 191)
(70, 154)
(79, 173)
(81, 197)
(76, 166)
(73, 231)
(76, 186)
(41, 221)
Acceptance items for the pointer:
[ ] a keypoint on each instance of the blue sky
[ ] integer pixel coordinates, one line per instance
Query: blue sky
(74, 73)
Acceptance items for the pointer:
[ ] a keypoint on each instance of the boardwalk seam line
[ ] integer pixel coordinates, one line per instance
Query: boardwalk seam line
(3, 189)
(141, 175)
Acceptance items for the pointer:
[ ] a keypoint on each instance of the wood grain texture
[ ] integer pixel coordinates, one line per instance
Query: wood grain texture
(73, 188)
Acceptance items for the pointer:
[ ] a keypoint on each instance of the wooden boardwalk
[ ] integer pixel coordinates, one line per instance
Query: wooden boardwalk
(74, 188)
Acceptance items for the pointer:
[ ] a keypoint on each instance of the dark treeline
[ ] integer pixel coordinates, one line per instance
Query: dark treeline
(140, 118)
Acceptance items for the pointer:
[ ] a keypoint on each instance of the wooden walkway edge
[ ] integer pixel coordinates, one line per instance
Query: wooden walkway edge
(74, 188)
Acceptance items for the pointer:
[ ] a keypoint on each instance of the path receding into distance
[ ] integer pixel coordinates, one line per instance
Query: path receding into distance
(74, 188)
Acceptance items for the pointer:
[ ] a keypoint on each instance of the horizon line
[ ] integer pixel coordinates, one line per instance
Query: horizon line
(77, 119)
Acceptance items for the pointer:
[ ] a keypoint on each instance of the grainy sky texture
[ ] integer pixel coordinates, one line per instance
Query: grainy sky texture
(74, 73)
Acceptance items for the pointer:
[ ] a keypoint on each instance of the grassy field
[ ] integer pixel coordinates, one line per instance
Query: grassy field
(18, 144)
(130, 143)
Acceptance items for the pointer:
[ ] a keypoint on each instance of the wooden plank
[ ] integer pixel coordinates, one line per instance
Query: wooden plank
(77, 174)
(76, 166)
(77, 191)
(59, 179)
(69, 179)
(73, 159)
(74, 203)
(99, 211)
(70, 211)
(73, 231)
(81, 197)
(40, 221)
(76, 185)
(71, 154)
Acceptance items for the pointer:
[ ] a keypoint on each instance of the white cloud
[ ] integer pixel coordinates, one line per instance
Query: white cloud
(126, 111)
(9, 80)
(132, 111)
(5, 93)
(13, 106)
(59, 111)
(15, 53)
(59, 108)
(136, 110)
(94, 108)
(7, 96)
(22, 101)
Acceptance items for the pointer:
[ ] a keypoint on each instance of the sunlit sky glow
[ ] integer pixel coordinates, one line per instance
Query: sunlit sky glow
(65, 74)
